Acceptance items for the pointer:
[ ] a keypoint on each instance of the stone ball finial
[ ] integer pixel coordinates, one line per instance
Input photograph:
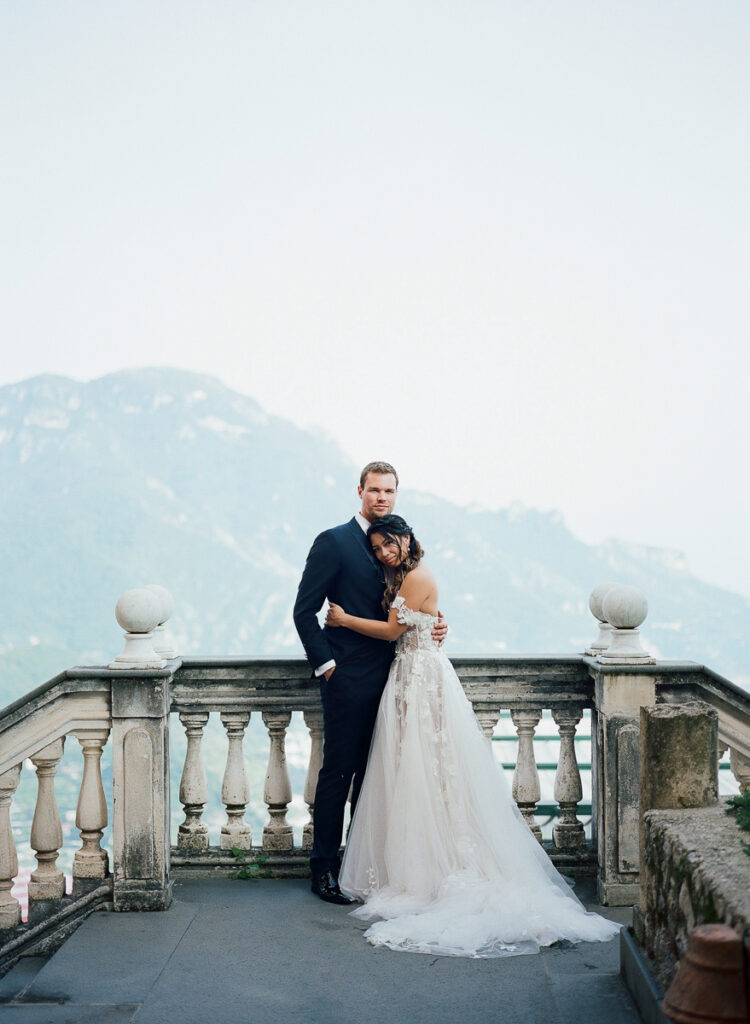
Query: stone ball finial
(595, 600)
(604, 639)
(138, 610)
(166, 599)
(625, 607)
(163, 643)
(138, 613)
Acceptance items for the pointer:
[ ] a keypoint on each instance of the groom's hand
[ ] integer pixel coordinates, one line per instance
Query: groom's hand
(327, 674)
(439, 630)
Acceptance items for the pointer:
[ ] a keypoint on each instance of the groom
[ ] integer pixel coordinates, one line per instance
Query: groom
(352, 668)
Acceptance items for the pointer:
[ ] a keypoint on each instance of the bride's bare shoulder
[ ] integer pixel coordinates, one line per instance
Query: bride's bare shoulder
(420, 590)
(423, 572)
(420, 578)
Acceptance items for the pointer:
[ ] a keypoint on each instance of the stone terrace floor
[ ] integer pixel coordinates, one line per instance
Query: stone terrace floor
(268, 951)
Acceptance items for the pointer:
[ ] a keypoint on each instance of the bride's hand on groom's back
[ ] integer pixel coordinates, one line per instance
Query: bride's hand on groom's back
(440, 630)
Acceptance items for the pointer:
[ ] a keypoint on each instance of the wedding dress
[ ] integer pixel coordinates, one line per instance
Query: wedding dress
(437, 848)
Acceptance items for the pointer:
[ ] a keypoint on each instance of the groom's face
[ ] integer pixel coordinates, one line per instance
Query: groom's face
(378, 495)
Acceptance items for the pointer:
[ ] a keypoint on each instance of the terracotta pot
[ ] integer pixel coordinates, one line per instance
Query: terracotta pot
(711, 984)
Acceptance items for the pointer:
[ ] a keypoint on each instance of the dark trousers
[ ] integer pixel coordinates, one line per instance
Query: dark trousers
(350, 706)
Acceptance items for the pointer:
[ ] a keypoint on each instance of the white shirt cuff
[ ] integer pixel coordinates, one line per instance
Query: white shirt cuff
(324, 668)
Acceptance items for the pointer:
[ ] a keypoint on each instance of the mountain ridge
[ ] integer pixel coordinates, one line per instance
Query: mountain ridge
(170, 476)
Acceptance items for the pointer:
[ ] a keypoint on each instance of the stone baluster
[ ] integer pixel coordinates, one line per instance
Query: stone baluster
(10, 908)
(91, 860)
(488, 719)
(235, 788)
(314, 722)
(568, 834)
(526, 791)
(277, 793)
(47, 880)
(192, 834)
(741, 768)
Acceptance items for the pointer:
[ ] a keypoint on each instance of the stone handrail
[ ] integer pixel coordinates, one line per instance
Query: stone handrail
(73, 700)
(504, 680)
(731, 703)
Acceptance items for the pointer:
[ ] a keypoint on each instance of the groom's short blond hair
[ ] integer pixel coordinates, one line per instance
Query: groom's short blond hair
(377, 467)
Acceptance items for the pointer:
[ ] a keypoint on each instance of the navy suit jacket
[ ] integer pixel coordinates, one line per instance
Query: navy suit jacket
(342, 568)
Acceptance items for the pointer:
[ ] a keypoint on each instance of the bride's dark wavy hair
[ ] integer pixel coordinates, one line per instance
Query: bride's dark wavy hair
(392, 528)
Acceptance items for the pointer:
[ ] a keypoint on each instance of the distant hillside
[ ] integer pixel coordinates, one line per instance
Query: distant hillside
(165, 476)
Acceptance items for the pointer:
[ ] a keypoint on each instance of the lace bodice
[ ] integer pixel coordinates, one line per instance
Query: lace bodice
(418, 635)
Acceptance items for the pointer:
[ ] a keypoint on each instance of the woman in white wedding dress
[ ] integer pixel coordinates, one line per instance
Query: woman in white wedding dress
(437, 848)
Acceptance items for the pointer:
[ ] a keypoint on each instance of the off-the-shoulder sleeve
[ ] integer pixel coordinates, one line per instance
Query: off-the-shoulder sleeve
(399, 605)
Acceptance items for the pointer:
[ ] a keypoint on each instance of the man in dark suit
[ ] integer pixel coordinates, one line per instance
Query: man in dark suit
(352, 668)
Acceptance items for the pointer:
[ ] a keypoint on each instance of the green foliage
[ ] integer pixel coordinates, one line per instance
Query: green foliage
(250, 865)
(739, 806)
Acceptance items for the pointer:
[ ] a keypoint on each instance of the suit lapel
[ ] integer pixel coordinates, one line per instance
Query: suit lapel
(365, 547)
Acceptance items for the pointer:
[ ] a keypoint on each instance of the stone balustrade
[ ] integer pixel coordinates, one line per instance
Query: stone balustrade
(134, 708)
(236, 689)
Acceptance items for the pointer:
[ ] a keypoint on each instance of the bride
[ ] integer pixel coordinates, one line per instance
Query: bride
(437, 848)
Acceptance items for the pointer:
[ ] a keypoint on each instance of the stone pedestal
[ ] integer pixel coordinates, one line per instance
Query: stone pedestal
(679, 768)
(140, 756)
(679, 756)
(618, 697)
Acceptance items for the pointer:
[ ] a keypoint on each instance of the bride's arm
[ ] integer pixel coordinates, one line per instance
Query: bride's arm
(390, 630)
(415, 590)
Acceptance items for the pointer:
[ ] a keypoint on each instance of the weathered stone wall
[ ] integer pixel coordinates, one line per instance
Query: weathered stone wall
(696, 872)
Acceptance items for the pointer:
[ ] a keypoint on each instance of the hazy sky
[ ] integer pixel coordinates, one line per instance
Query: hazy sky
(504, 245)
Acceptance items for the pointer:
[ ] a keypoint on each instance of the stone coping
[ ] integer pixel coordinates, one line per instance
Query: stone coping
(663, 670)
(695, 872)
(710, 841)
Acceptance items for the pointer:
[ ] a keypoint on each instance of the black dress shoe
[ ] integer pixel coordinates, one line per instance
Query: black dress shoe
(326, 886)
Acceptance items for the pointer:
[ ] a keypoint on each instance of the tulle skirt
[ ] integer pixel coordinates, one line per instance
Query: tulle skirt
(437, 848)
